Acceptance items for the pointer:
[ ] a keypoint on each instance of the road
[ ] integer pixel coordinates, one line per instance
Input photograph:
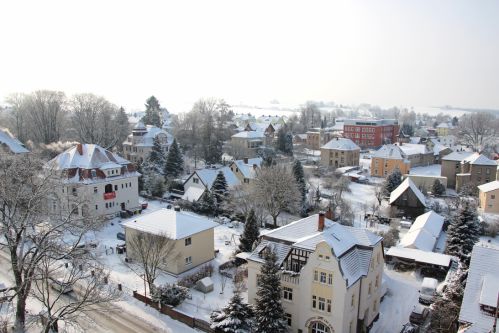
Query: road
(102, 319)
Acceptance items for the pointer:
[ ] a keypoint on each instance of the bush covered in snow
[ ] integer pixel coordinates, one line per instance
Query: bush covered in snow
(169, 294)
(189, 281)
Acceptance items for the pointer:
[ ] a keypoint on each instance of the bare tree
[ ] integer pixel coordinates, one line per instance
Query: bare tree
(52, 280)
(477, 129)
(378, 193)
(30, 230)
(240, 202)
(342, 185)
(153, 252)
(275, 189)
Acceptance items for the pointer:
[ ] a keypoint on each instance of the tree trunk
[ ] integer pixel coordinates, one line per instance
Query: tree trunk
(274, 218)
(19, 326)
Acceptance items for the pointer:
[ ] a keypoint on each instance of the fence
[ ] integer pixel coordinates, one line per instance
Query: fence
(171, 312)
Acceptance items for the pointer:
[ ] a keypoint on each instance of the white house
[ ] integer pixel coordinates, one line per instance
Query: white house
(201, 180)
(139, 144)
(245, 169)
(94, 182)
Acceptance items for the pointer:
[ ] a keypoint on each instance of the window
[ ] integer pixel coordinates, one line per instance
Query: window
(376, 283)
(330, 278)
(287, 293)
(492, 196)
(288, 318)
(188, 241)
(375, 306)
(327, 258)
(121, 185)
(352, 302)
(107, 205)
(320, 256)
(323, 277)
(188, 260)
(350, 329)
(246, 180)
(322, 303)
(96, 190)
(93, 173)
(195, 180)
(116, 187)
(73, 190)
(316, 274)
(314, 301)
(130, 184)
(96, 207)
(369, 290)
(328, 305)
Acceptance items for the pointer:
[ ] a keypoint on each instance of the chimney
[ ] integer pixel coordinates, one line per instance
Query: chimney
(245, 160)
(79, 148)
(177, 208)
(329, 214)
(320, 226)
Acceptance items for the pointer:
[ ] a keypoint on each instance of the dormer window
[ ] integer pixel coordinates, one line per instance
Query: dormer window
(93, 173)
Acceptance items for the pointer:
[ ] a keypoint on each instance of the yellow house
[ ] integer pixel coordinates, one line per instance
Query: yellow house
(193, 237)
(387, 159)
(330, 274)
(489, 197)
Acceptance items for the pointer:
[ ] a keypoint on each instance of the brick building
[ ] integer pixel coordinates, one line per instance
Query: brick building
(371, 133)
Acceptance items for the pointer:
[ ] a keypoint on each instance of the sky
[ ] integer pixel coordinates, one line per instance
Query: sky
(388, 53)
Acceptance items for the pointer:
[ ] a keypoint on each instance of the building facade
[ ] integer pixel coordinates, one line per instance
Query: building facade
(193, 238)
(340, 152)
(330, 278)
(94, 182)
(476, 170)
(388, 158)
(139, 144)
(451, 166)
(248, 143)
(488, 197)
(371, 133)
(245, 169)
(318, 136)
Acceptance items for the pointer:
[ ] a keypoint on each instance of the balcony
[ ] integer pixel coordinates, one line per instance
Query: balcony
(109, 195)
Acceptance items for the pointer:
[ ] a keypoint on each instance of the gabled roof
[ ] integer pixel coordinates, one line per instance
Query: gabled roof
(413, 149)
(391, 152)
(14, 145)
(208, 176)
(341, 144)
(92, 157)
(445, 125)
(482, 280)
(457, 156)
(429, 221)
(247, 169)
(407, 184)
(176, 225)
(480, 160)
(492, 186)
(424, 232)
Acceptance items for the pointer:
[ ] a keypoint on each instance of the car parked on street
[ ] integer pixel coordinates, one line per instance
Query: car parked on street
(419, 314)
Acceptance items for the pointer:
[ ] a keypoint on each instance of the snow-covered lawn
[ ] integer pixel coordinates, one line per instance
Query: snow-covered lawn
(430, 170)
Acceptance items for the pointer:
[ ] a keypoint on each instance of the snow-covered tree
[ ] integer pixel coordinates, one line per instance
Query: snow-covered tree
(445, 314)
(206, 203)
(152, 112)
(269, 314)
(284, 142)
(393, 180)
(219, 190)
(235, 317)
(156, 158)
(250, 234)
(155, 184)
(170, 294)
(174, 165)
(342, 185)
(463, 233)
(437, 188)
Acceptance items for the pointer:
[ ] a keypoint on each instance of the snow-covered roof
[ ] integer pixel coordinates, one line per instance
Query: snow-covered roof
(140, 125)
(341, 144)
(430, 221)
(176, 225)
(438, 147)
(302, 136)
(406, 184)
(425, 257)
(414, 139)
(492, 186)
(413, 149)
(208, 176)
(482, 285)
(457, 156)
(152, 132)
(249, 135)
(193, 193)
(419, 239)
(247, 169)
(92, 157)
(352, 246)
(445, 125)
(14, 145)
(390, 151)
(479, 160)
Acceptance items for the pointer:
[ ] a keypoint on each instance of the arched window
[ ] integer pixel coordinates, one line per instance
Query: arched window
(319, 327)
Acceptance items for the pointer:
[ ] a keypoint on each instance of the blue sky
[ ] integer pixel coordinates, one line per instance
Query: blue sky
(411, 53)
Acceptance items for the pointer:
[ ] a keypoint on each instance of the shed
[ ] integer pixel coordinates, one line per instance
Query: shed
(407, 200)
(205, 285)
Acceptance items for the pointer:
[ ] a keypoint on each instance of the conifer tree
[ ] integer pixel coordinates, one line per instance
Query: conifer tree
(269, 314)
(393, 180)
(156, 158)
(174, 165)
(219, 190)
(206, 204)
(152, 112)
(250, 234)
(437, 188)
(463, 233)
(141, 177)
(235, 317)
